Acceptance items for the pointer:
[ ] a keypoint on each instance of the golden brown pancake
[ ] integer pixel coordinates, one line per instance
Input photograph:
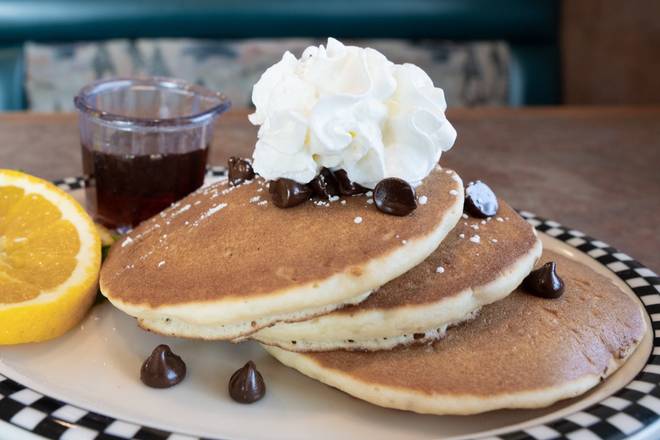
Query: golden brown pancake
(480, 262)
(224, 261)
(520, 352)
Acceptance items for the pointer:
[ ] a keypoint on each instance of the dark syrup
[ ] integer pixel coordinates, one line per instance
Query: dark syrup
(127, 189)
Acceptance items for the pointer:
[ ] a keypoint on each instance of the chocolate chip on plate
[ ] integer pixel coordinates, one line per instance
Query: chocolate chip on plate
(346, 186)
(240, 170)
(246, 384)
(544, 282)
(480, 200)
(287, 193)
(395, 196)
(324, 185)
(162, 369)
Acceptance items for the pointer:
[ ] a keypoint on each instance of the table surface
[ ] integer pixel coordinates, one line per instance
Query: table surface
(593, 169)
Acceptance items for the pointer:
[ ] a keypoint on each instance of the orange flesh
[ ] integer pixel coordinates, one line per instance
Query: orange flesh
(38, 248)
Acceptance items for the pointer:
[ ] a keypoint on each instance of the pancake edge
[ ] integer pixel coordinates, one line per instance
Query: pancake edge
(445, 404)
(235, 332)
(368, 329)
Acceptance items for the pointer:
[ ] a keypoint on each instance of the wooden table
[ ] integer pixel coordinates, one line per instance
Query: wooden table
(593, 169)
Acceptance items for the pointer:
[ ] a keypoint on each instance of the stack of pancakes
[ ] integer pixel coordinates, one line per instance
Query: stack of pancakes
(421, 312)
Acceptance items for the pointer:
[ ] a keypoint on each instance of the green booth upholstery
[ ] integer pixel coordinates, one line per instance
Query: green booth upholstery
(529, 27)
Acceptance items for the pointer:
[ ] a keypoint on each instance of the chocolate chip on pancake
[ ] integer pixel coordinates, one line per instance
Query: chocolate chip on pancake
(239, 170)
(287, 193)
(395, 196)
(324, 185)
(346, 186)
(162, 369)
(544, 282)
(480, 200)
(247, 385)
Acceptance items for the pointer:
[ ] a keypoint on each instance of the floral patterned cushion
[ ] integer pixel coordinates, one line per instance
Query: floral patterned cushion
(470, 73)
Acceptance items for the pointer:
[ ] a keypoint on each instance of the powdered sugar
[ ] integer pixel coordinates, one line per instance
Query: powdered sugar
(180, 211)
(213, 210)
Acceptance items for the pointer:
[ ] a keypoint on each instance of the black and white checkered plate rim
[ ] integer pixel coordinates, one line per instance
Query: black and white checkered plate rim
(626, 412)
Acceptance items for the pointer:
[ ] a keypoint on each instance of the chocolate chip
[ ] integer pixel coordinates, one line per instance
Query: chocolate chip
(246, 385)
(287, 193)
(480, 200)
(324, 185)
(240, 170)
(395, 196)
(162, 369)
(418, 336)
(346, 186)
(544, 282)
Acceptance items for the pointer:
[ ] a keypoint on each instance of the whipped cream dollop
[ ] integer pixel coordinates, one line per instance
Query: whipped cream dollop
(345, 107)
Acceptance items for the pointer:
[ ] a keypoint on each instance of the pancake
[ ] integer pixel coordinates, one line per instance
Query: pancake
(521, 352)
(225, 262)
(419, 305)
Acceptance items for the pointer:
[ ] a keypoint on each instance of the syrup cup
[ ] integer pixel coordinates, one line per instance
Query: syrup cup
(145, 143)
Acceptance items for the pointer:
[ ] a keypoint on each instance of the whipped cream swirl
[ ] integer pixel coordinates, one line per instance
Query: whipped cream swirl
(348, 107)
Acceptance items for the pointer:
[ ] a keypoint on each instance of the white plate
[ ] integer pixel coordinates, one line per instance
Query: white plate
(95, 370)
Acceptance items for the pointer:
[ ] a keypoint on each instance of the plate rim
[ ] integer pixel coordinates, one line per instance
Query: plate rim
(624, 413)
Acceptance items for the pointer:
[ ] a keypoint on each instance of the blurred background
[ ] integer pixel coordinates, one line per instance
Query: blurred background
(482, 52)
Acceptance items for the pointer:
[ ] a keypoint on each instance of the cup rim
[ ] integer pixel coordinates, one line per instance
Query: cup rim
(84, 106)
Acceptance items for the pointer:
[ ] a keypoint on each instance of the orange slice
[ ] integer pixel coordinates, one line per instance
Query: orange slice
(50, 257)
